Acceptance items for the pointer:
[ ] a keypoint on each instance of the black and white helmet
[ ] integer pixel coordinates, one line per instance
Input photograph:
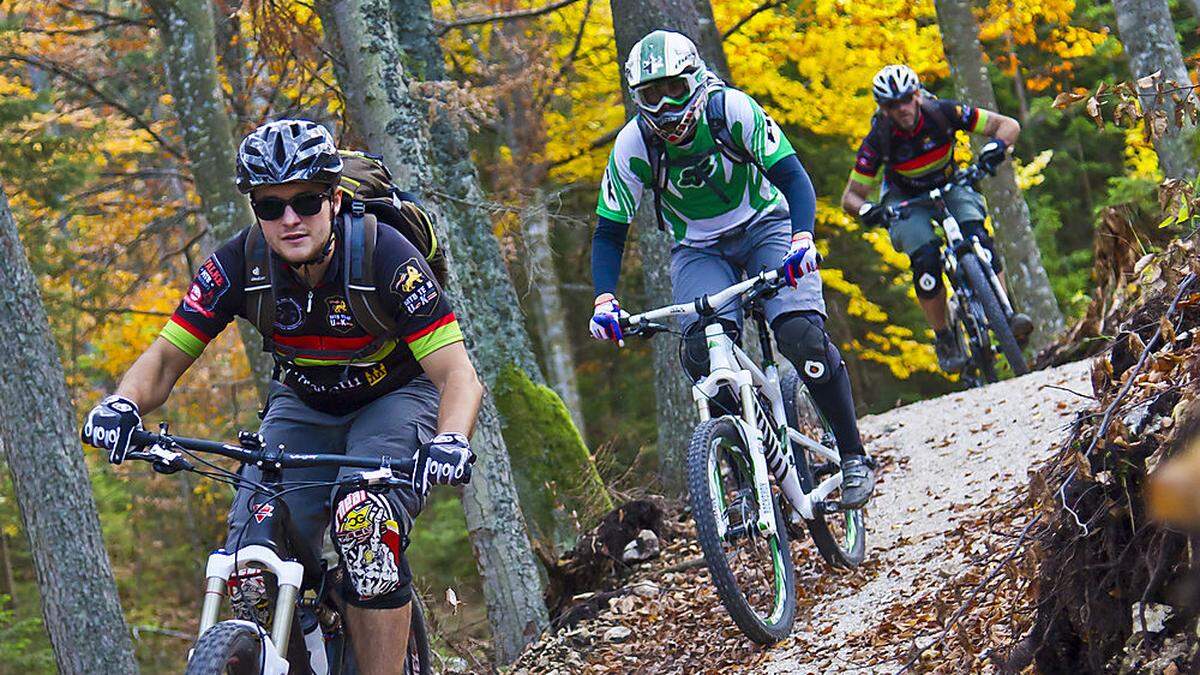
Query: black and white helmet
(894, 82)
(285, 151)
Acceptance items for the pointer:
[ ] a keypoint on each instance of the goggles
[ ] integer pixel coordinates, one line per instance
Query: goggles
(304, 204)
(669, 92)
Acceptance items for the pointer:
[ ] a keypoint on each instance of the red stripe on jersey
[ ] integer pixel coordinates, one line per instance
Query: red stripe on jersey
(445, 320)
(184, 324)
(320, 342)
(926, 159)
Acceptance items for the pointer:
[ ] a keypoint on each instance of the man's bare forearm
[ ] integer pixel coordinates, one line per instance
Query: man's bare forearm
(462, 395)
(149, 381)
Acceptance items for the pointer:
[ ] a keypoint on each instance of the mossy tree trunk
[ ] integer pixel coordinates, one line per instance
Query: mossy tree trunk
(394, 123)
(187, 31)
(633, 19)
(1027, 280)
(40, 441)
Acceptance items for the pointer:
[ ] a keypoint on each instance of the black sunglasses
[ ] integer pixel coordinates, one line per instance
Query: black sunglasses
(304, 204)
(897, 102)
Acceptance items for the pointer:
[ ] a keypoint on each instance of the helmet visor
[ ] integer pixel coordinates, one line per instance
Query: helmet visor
(664, 94)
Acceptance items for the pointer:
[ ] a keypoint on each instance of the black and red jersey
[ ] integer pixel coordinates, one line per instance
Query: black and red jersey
(920, 159)
(314, 329)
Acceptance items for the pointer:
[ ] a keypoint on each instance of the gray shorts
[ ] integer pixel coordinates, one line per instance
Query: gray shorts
(761, 245)
(916, 229)
(395, 424)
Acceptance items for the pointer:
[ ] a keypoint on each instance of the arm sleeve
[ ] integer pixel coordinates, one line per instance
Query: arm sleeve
(212, 300)
(755, 130)
(625, 177)
(608, 246)
(866, 165)
(789, 176)
(424, 318)
(962, 116)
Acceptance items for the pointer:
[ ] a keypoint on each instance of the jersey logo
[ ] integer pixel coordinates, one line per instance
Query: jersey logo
(210, 284)
(340, 318)
(288, 315)
(693, 176)
(419, 292)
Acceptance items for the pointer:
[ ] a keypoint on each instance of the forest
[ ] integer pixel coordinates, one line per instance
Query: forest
(119, 127)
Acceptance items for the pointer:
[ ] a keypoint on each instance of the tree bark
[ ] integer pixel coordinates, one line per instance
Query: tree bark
(1027, 280)
(632, 20)
(187, 32)
(1150, 41)
(41, 443)
(394, 123)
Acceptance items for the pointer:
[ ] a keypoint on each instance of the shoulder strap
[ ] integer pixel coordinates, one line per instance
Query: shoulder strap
(360, 230)
(933, 111)
(259, 297)
(881, 123)
(718, 126)
(656, 154)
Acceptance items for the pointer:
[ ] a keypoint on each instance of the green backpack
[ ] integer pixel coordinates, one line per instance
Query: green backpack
(368, 199)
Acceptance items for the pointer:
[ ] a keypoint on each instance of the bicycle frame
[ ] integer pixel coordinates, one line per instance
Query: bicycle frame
(730, 365)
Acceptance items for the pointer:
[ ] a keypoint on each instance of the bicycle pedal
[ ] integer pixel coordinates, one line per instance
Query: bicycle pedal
(827, 507)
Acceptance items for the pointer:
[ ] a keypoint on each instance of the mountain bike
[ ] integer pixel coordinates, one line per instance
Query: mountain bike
(767, 434)
(282, 591)
(977, 302)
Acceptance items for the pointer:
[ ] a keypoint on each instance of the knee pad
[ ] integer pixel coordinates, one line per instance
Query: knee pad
(695, 347)
(370, 533)
(802, 339)
(926, 263)
(977, 229)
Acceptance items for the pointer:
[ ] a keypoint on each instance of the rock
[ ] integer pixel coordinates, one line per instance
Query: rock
(456, 664)
(644, 547)
(617, 634)
(646, 589)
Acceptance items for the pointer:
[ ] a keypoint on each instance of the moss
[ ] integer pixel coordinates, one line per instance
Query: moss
(556, 477)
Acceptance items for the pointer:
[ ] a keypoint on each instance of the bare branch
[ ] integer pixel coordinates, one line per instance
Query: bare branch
(118, 310)
(770, 4)
(446, 27)
(66, 73)
(598, 143)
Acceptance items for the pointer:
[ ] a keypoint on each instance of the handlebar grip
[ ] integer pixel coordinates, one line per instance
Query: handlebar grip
(140, 438)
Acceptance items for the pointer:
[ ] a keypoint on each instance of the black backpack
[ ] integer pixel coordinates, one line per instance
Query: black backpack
(656, 151)
(368, 198)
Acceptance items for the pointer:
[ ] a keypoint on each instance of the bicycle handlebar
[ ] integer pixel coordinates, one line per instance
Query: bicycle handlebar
(158, 450)
(767, 281)
(963, 177)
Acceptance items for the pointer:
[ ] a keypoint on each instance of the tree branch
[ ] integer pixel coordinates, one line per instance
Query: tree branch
(770, 4)
(446, 27)
(67, 74)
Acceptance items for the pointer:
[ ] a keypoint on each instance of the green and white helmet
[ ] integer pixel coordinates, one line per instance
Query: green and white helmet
(668, 82)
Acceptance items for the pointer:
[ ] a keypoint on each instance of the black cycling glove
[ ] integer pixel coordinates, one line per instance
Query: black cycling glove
(992, 155)
(110, 424)
(444, 460)
(875, 215)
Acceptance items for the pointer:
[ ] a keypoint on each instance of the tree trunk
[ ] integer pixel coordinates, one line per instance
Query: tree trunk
(394, 123)
(189, 57)
(1151, 43)
(1027, 280)
(632, 20)
(50, 480)
(547, 303)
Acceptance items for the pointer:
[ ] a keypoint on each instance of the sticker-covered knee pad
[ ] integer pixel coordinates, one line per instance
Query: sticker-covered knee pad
(977, 229)
(926, 263)
(802, 339)
(371, 533)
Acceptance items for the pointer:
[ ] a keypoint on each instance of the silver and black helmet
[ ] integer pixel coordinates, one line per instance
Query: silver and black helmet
(286, 151)
(893, 83)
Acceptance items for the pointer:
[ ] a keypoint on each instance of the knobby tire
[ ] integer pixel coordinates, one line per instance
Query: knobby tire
(997, 319)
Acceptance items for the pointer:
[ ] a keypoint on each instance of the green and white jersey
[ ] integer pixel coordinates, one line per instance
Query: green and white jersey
(694, 211)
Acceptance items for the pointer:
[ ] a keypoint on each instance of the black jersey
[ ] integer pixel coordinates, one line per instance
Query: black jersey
(920, 159)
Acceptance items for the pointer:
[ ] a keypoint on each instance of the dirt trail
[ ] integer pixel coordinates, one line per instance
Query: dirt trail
(943, 459)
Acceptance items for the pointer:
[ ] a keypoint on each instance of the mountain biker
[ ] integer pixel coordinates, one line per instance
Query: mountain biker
(912, 141)
(336, 388)
(737, 200)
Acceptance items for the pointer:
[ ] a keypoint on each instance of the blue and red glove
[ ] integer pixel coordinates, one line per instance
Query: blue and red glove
(606, 320)
(802, 258)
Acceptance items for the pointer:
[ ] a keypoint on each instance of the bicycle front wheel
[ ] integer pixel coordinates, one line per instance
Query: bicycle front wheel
(997, 320)
(753, 572)
(419, 660)
(228, 648)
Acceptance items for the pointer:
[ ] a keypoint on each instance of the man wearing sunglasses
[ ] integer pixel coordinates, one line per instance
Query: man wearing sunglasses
(728, 184)
(910, 149)
(337, 388)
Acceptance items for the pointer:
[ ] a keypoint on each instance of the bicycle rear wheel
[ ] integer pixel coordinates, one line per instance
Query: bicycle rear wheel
(841, 538)
(997, 319)
(753, 573)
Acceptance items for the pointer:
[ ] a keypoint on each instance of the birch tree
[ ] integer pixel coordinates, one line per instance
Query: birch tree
(40, 441)
(1150, 41)
(187, 31)
(632, 20)
(394, 123)
(1027, 280)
